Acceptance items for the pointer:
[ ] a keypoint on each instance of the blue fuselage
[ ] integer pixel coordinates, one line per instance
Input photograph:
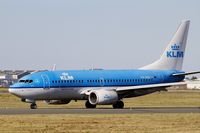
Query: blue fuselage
(96, 78)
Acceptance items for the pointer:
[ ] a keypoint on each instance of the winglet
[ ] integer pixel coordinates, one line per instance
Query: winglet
(54, 67)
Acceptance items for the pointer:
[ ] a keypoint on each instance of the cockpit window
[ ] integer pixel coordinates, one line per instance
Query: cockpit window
(22, 81)
(29, 81)
(25, 81)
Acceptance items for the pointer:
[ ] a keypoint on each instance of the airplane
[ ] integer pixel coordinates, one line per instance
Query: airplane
(107, 87)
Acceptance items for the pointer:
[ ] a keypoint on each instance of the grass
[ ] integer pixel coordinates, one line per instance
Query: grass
(3, 89)
(160, 99)
(141, 123)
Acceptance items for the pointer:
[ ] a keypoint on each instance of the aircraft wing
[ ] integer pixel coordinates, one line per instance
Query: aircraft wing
(149, 86)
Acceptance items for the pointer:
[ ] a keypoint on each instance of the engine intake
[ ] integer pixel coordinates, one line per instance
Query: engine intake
(103, 97)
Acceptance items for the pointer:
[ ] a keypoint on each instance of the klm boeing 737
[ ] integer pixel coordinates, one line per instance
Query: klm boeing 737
(107, 87)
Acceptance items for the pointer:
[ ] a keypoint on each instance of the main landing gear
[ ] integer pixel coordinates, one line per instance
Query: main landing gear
(89, 105)
(118, 105)
(33, 106)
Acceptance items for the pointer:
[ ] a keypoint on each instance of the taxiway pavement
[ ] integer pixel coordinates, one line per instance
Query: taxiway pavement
(16, 111)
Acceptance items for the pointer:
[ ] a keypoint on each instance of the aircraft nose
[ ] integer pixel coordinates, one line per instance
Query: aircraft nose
(17, 92)
(14, 90)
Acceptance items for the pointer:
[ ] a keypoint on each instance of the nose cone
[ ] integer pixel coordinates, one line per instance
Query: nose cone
(13, 89)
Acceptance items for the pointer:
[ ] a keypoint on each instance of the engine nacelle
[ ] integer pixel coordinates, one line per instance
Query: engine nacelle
(64, 101)
(103, 97)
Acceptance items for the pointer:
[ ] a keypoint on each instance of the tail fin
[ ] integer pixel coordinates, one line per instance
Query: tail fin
(172, 58)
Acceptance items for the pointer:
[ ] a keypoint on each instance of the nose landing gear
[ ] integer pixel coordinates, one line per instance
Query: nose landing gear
(33, 103)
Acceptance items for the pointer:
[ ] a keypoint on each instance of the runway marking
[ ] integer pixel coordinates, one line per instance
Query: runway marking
(101, 111)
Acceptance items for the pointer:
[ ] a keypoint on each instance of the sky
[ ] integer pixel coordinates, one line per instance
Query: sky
(85, 34)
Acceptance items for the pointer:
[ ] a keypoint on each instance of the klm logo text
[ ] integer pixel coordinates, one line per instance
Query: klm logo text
(175, 54)
(66, 76)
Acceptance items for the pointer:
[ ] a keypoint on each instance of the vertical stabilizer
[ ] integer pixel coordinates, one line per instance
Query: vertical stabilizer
(172, 58)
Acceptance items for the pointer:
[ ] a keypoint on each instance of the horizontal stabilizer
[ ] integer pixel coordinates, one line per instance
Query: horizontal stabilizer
(183, 74)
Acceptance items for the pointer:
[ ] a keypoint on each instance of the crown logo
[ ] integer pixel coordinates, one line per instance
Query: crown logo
(175, 47)
(65, 74)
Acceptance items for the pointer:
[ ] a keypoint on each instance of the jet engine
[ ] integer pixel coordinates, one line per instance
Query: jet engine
(63, 101)
(103, 97)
